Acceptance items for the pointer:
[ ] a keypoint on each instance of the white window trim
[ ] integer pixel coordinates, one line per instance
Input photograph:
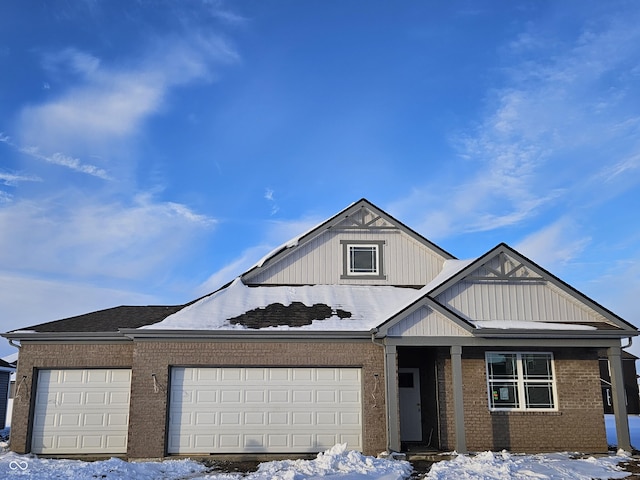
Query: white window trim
(520, 382)
(378, 274)
(376, 249)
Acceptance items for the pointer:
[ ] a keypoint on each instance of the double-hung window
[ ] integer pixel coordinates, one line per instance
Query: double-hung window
(362, 259)
(521, 381)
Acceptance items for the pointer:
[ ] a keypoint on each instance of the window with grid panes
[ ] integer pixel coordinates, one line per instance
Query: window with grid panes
(521, 381)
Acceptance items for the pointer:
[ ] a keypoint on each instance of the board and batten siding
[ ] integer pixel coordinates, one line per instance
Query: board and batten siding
(516, 300)
(320, 261)
(425, 322)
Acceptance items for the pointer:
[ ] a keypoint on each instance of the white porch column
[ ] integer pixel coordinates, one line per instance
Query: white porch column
(619, 404)
(458, 403)
(393, 404)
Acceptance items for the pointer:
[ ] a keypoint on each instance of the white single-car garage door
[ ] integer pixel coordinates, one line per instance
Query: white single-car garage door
(81, 411)
(264, 410)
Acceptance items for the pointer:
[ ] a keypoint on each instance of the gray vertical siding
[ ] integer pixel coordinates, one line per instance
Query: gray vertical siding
(4, 396)
(516, 300)
(425, 322)
(406, 261)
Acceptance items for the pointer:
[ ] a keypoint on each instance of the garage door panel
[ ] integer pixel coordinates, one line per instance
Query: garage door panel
(254, 418)
(116, 442)
(257, 396)
(118, 420)
(230, 396)
(207, 396)
(264, 410)
(230, 441)
(278, 374)
(281, 441)
(120, 398)
(69, 420)
(302, 375)
(94, 420)
(69, 377)
(278, 396)
(302, 396)
(71, 398)
(231, 375)
(81, 411)
(351, 396)
(96, 399)
(92, 442)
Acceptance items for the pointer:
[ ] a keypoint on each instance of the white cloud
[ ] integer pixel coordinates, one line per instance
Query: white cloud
(269, 196)
(61, 159)
(104, 103)
(624, 166)
(5, 197)
(76, 236)
(555, 245)
(12, 179)
(562, 113)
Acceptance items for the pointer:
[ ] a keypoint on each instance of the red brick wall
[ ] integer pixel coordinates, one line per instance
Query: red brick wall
(578, 425)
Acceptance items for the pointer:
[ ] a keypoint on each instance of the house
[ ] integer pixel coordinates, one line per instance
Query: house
(6, 370)
(630, 379)
(359, 331)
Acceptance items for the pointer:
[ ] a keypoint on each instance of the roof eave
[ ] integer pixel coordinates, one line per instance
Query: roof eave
(262, 335)
(527, 333)
(64, 336)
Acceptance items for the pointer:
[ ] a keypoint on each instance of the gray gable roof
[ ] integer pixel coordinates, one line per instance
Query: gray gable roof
(617, 321)
(109, 320)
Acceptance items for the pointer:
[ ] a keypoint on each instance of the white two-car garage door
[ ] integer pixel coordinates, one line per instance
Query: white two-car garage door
(81, 411)
(264, 410)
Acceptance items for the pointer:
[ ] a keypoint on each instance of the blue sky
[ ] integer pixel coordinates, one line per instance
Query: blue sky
(152, 150)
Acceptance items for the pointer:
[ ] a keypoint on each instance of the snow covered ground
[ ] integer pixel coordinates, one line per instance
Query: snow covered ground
(334, 464)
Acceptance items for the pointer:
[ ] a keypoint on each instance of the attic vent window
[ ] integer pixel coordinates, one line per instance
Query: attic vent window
(362, 259)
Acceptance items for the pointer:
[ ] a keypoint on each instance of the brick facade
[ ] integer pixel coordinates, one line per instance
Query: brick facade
(577, 425)
(41, 355)
(148, 408)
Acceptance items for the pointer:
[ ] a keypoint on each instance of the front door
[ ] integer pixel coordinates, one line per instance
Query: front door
(410, 405)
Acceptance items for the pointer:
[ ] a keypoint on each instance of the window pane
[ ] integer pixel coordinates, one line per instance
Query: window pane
(520, 381)
(504, 395)
(363, 259)
(405, 380)
(539, 395)
(502, 365)
(536, 366)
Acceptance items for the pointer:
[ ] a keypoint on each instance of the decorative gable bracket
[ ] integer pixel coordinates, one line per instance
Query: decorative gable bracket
(504, 267)
(364, 219)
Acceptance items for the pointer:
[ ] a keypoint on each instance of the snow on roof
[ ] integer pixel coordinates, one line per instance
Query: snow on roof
(449, 269)
(368, 305)
(513, 324)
